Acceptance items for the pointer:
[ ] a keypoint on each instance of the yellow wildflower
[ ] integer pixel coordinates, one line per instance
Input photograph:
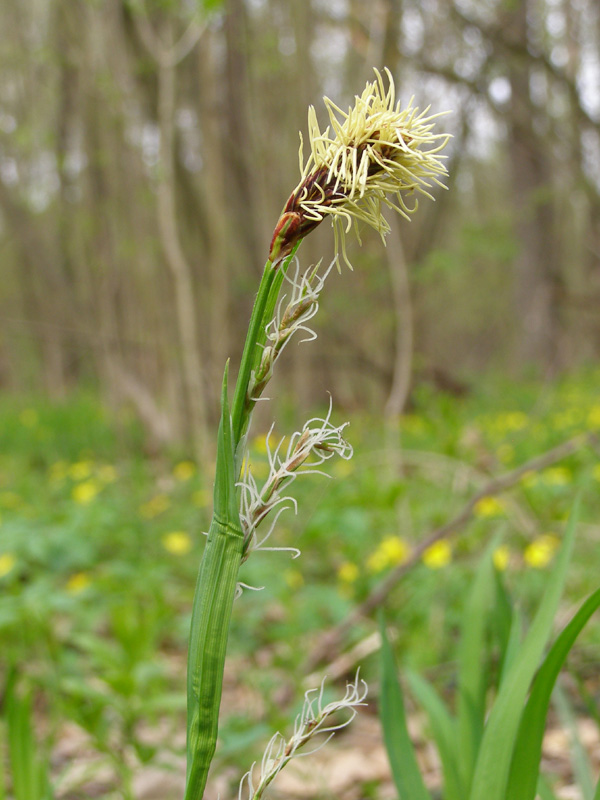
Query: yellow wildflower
(85, 492)
(184, 470)
(501, 557)
(395, 549)
(438, 555)
(391, 551)
(78, 582)
(348, 572)
(539, 553)
(7, 563)
(489, 507)
(177, 542)
(372, 156)
(155, 506)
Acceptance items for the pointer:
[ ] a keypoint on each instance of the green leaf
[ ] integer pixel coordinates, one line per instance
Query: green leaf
(513, 646)
(472, 669)
(502, 620)
(211, 613)
(528, 747)
(495, 754)
(401, 754)
(443, 728)
(544, 790)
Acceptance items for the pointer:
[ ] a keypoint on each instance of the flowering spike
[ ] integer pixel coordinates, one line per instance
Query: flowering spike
(374, 153)
(312, 721)
(317, 442)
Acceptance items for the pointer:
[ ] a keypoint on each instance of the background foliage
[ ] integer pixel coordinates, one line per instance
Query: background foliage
(147, 148)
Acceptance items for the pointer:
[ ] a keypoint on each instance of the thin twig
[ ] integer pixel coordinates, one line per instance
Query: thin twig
(329, 644)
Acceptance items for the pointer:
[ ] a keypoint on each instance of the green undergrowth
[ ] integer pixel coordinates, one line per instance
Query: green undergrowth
(99, 547)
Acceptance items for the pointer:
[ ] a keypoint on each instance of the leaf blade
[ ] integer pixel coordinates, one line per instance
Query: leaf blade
(400, 750)
(528, 748)
(497, 746)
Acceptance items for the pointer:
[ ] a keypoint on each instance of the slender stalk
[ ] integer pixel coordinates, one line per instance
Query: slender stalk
(239, 419)
(262, 312)
(217, 578)
(211, 613)
(211, 618)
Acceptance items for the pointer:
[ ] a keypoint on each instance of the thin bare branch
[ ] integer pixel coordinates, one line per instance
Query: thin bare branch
(330, 643)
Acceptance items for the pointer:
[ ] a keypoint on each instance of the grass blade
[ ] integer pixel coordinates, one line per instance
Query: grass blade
(472, 669)
(400, 750)
(211, 614)
(493, 764)
(443, 728)
(513, 646)
(544, 790)
(528, 748)
(506, 627)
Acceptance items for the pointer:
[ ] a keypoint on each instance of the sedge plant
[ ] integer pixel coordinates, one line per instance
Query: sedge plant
(373, 156)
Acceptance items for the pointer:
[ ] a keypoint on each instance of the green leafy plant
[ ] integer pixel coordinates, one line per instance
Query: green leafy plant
(488, 753)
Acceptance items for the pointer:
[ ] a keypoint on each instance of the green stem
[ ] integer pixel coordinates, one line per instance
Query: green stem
(211, 618)
(217, 578)
(262, 313)
(239, 415)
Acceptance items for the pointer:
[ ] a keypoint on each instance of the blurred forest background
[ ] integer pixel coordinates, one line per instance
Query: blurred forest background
(146, 149)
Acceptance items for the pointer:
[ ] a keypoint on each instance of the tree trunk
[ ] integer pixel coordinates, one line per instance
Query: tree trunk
(185, 302)
(219, 277)
(536, 266)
